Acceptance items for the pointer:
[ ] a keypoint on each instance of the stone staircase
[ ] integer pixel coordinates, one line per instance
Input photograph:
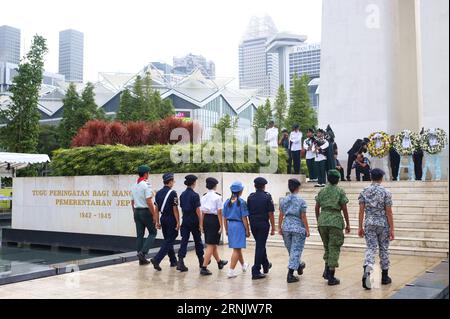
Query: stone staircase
(421, 218)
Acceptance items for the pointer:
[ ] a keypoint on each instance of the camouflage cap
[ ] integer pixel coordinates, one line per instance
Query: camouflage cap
(334, 172)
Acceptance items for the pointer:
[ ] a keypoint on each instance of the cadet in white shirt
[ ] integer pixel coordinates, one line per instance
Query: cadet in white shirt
(144, 214)
(211, 224)
(271, 137)
(308, 146)
(321, 146)
(295, 140)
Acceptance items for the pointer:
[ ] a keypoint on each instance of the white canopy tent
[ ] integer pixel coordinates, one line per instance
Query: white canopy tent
(11, 162)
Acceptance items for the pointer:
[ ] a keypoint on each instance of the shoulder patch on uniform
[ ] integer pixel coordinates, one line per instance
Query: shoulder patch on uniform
(205, 194)
(218, 194)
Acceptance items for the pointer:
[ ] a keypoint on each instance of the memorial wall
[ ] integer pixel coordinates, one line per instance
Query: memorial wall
(101, 204)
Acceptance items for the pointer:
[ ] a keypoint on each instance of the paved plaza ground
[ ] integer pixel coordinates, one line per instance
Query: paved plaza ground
(129, 280)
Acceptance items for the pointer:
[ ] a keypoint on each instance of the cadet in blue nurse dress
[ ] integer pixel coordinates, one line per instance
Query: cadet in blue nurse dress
(235, 214)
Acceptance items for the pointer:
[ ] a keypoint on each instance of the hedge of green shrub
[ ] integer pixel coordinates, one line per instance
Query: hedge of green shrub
(120, 159)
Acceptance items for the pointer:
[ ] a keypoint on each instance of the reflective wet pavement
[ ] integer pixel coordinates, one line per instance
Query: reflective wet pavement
(129, 280)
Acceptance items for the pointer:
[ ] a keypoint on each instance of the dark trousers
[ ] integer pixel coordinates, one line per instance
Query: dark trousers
(260, 231)
(321, 168)
(395, 166)
(297, 161)
(310, 163)
(190, 225)
(144, 220)
(341, 170)
(289, 162)
(418, 159)
(351, 159)
(364, 171)
(170, 233)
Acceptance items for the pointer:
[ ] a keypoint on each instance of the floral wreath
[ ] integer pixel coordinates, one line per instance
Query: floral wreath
(433, 141)
(407, 148)
(379, 144)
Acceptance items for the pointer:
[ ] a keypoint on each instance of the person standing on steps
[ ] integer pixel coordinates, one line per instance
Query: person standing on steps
(190, 206)
(235, 214)
(375, 212)
(144, 213)
(261, 215)
(211, 224)
(394, 160)
(308, 146)
(271, 136)
(320, 161)
(330, 201)
(166, 201)
(295, 139)
(284, 142)
(293, 226)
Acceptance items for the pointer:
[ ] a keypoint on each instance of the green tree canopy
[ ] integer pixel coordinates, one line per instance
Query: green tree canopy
(224, 126)
(300, 111)
(143, 103)
(49, 139)
(126, 108)
(263, 116)
(77, 111)
(21, 132)
(281, 107)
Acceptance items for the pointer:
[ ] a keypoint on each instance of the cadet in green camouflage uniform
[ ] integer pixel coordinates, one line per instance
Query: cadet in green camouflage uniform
(376, 203)
(329, 203)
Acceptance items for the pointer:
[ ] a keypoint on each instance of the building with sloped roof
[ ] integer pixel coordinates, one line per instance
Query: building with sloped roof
(194, 97)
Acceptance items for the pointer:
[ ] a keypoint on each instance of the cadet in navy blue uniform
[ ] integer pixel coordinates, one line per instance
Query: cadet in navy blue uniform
(166, 201)
(261, 209)
(190, 206)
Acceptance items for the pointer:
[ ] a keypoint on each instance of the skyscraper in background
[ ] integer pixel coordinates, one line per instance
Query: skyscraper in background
(9, 44)
(188, 63)
(305, 59)
(258, 69)
(71, 55)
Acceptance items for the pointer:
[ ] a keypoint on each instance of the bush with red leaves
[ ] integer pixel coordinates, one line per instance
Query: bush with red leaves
(131, 133)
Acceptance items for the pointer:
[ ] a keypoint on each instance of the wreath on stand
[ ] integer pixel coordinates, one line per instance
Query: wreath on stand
(406, 142)
(433, 141)
(379, 144)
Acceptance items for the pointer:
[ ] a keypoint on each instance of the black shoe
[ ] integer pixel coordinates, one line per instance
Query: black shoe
(173, 264)
(258, 276)
(222, 263)
(201, 261)
(366, 279)
(385, 279)
(349, 179)
(291, 278)
(300, 268)
(266, 270)
(181, 266)
(142, 260)
(332, 281)
(155, 265)
(205, 272)
(326, 272)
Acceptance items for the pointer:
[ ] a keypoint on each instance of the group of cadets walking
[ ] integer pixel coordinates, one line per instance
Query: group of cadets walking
(239, 219)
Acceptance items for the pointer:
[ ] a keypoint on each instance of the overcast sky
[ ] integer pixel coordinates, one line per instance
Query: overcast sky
(122, 36)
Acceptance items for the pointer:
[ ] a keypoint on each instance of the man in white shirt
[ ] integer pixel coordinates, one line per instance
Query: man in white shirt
(295, 140)
(321, 146)
(308, 146)
(271, 137)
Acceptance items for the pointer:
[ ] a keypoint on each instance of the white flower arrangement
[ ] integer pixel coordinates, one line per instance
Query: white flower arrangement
(433, 141)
